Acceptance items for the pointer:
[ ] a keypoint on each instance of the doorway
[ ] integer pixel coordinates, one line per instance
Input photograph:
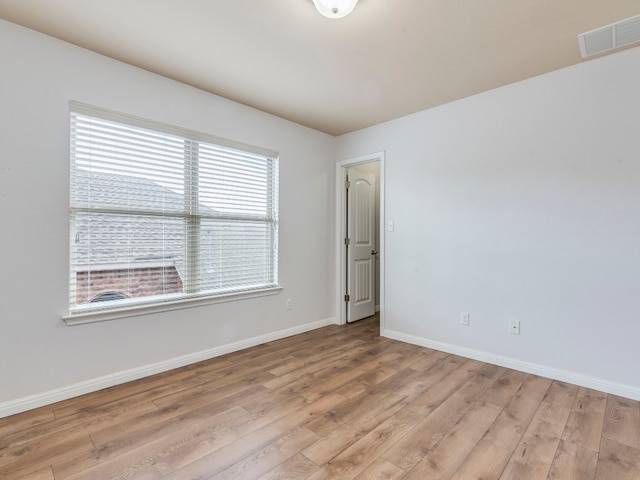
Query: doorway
(360, 238)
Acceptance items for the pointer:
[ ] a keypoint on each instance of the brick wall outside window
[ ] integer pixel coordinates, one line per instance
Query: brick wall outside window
(132, 283)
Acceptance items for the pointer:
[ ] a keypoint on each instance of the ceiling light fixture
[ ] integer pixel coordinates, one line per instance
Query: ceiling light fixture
(335, 8)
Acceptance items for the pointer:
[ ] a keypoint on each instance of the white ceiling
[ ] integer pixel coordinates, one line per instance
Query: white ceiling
(387, 59)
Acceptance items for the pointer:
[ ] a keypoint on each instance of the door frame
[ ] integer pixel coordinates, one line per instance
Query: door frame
(341, 231)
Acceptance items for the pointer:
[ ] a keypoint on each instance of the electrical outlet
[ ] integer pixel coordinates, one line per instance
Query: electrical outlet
(514, 327)
(289, 303)
(464, 319)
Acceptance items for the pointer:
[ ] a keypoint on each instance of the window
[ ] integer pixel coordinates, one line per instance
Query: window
(161, 215)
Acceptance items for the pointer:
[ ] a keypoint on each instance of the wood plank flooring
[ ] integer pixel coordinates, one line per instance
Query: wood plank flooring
(335, 403)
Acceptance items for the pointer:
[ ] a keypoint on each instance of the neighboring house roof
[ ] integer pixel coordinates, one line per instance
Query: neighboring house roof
(110, 239)
(108, 190)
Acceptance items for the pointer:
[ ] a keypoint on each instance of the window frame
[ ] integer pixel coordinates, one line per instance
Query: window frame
(190, 296)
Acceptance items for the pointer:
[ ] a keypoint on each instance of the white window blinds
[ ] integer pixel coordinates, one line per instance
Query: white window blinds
(160, 214)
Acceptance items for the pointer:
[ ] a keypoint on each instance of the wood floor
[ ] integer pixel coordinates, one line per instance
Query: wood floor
(335, 403)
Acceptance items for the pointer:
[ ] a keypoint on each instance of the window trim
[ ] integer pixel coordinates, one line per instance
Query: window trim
(97, 315)
(147, 305)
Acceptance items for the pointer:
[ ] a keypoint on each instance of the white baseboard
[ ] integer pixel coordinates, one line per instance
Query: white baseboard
(606, 386)
(46, 398)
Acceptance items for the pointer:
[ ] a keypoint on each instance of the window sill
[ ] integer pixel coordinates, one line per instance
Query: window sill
(81, 318)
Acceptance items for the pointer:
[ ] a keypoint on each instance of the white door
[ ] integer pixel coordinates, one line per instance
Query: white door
(360, 245)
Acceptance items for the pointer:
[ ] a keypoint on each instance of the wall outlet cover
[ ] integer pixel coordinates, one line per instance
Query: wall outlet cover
(514, 327)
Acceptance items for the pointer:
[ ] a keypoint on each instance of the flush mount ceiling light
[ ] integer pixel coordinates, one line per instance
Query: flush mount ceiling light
(335, 8)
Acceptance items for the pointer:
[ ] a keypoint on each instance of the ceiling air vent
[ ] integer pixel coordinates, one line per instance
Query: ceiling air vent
(619, 34)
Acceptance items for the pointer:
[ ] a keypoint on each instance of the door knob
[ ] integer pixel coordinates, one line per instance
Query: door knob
(374, 252)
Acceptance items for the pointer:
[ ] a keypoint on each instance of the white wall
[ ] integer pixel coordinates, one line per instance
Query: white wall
(42, 358)
(524, 203)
